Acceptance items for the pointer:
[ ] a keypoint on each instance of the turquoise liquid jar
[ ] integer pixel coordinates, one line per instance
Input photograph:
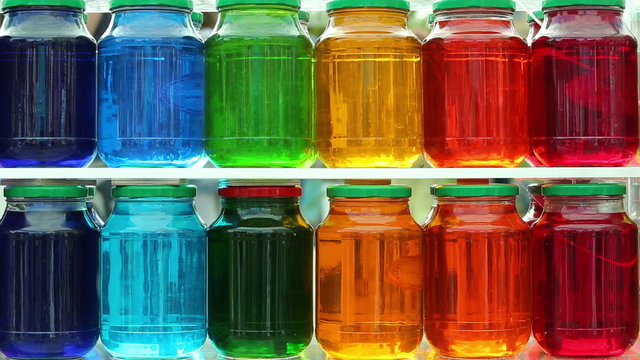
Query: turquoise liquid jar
(153, 274)
(259, 86)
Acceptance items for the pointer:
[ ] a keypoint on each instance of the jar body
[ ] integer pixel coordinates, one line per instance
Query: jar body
(260, 279)
(369, 280)
(254, 117)
(476, 76)
(54, 246)
(48, 92)
(153, 279)
(151, 90)
(478, 278)
(585, 287)
(585, 70)
(369, 97)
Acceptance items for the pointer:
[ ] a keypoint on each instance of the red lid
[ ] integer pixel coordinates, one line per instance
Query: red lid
(260, 191)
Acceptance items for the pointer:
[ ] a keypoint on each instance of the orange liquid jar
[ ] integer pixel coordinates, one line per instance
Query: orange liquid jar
(476, 76)
(368, 87)
(369, 275)
(478, 273)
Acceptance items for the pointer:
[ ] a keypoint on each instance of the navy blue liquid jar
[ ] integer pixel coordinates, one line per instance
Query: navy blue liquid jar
(49, 256)
(48, 85)
(151, 86)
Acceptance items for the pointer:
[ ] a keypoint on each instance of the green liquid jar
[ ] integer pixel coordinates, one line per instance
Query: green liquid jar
(260, 274)
(259, 93)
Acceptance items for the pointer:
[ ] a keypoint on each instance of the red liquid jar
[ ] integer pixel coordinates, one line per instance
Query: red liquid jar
(585, 283)
(585, 76)
(476, 86)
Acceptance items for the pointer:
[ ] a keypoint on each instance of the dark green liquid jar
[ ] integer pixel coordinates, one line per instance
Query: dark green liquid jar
(260, 274)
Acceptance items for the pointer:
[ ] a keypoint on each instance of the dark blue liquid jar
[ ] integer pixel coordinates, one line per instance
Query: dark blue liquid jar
(151, 63)
(48, 85)
(49, 257)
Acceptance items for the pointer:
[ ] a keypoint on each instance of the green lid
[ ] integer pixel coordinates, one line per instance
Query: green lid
(150, 191)
(539, 14)
(343, 4)
(77, 4)
(583, 189)
(186, 4)
(556, 3)
(91, 191)
(368, 191)
(460, 4)
(475, 190)
(223, 3)
(53, 191)
(303, 15)
(197, 17)
(431, 19)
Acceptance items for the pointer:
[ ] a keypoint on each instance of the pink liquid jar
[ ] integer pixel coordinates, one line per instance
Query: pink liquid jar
(585, 84)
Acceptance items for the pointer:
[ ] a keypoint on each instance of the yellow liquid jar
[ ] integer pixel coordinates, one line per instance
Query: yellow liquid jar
(369, 86)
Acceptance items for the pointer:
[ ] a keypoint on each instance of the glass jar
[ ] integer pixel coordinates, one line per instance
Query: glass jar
(49, 256)
(48, 86)
(476, 78)
(478, 273)
(368, 88)
(91, 210)
(260, 274)
(585, 287)
(369, 274)
(259, 96)
(153, 278)
(151, 86)
(585, 76)
(536, 204)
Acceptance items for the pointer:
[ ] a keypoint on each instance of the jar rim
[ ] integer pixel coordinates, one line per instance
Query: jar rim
(561, 3)
(74, 4)
(461, 4)
(266, 191)
(154, 191)
(466, 191)
(184, 4)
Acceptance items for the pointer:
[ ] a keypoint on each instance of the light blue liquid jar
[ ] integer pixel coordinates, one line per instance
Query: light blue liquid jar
(151, 86)
(153, 274)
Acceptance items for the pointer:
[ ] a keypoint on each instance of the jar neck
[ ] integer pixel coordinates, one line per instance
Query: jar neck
(142, 206)
(370, 206)
(262, 14)
(46, 205)
(267, 206)
(461, 206)
(587, 14)
(159, 16)
(369, 17)
(584, 204)
(475, 15)
(40, 18)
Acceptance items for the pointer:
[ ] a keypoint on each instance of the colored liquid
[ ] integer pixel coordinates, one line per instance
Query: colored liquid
(48, 101)
(369, 96)
(478, 280)
(369, 282)
(153, 280)
(256, 118)
(48, 271)
(260, 279)
(585, 286)
(151, 95)
(586, 93)
(476, 74)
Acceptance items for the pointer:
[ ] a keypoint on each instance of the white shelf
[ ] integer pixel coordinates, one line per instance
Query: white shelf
(316, 173)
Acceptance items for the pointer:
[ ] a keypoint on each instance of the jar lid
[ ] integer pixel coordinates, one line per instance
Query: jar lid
(154, 191)
(91, 191)
(460, 4)
(76, 4)
(557, 3)
(197, 17)
(368, 191)
(223, 3)
(186, 4)
(539, 14)
(584, 190)
(492, 190)
(303, 15)
(45, 191)
(343, 4)
(260, 191)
